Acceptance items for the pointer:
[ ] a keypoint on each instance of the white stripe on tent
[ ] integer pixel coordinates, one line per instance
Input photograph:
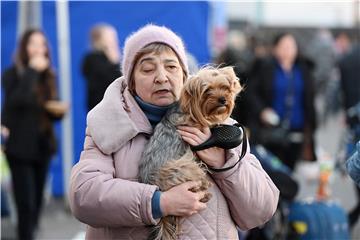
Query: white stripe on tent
(29, 16)
(62, 21)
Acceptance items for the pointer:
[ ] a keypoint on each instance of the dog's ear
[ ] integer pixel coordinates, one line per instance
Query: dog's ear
(190, 100)
(236, 87)
(232, 78)
(185, 99)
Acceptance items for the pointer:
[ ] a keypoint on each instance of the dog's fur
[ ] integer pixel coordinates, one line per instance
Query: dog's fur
(207, 99)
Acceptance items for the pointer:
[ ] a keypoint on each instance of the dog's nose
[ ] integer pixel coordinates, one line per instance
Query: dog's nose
(222, 100)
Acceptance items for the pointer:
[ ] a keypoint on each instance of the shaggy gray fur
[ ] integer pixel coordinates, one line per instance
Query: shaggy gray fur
(164, 145)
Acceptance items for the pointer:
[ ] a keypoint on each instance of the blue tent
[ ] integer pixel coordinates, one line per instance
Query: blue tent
(188, 19)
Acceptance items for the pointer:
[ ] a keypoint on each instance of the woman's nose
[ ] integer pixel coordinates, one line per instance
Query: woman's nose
(161, 76)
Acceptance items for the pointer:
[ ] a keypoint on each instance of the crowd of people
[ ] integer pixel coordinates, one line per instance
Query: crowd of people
(282, 84)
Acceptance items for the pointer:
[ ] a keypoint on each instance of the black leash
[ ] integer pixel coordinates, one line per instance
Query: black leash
(227, 137)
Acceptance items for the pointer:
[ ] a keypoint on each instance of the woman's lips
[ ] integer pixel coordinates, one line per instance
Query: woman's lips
(162, 92)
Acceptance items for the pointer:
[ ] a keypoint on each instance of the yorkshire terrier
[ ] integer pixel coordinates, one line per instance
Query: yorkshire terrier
(207, 99)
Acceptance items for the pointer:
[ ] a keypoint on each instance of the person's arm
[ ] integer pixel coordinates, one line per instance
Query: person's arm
(99, 199)
(251, 195)
(56, 109)
(353, 165)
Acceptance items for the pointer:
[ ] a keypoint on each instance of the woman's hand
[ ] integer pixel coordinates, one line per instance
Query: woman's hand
(181, 201)
(5, 132)
(56, 108)
(269, 117)
(213, 157)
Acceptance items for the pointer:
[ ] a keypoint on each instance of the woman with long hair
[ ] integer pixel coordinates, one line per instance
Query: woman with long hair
(30, 107)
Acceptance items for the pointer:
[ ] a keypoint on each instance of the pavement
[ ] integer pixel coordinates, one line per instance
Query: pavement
(57, 222)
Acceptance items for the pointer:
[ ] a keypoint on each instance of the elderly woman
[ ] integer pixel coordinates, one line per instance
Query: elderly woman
(105, 192)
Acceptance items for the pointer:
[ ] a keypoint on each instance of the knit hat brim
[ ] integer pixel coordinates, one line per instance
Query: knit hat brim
(146, 35)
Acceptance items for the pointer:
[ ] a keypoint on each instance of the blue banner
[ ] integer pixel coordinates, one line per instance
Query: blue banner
(187, 19)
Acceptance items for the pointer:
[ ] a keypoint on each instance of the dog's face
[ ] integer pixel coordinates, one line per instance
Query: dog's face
(208, 97)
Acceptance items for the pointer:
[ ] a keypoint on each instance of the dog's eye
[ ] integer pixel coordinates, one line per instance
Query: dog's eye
(208, 91)
(224, 88)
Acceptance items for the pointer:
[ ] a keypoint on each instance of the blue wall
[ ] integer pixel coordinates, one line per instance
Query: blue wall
(8, 32)
(188, 19)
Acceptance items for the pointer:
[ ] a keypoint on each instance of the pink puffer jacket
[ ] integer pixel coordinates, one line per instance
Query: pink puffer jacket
(105, 194)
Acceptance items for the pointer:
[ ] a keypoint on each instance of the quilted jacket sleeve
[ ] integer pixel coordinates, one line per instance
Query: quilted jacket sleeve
(251, 195)
(353, 165)
(99, 199)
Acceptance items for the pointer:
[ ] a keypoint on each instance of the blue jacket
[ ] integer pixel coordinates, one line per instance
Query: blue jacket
(353, 165)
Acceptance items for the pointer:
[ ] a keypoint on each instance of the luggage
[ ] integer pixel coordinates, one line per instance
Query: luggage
(318, 220)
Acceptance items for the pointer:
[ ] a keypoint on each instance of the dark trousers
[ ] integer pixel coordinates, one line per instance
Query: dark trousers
(28, 181)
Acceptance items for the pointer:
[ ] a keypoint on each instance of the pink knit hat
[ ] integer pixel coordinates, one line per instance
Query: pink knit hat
(145, 36)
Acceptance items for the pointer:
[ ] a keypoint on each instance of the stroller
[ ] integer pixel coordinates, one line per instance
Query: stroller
(277, 228)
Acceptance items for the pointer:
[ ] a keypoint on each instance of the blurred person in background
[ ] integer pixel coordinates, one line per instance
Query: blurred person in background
(30, 107)
(333, 104)
(281, 92)
(259, 46)
(238, 55)
(342, 44)
(350, 86)
(321, 50)
(353, 165)
(349, 78)
(101, 66)
(105, 191)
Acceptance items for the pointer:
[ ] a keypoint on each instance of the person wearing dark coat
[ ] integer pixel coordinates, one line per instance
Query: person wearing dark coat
(101, 66)
(349, 67)
(280, 90)
(29, 109)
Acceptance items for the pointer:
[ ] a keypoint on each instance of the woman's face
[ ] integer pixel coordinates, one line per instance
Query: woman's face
(158, 78)
(36, 45)
(286, 49)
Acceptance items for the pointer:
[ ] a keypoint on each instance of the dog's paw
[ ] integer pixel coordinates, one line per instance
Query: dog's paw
(195, 189)
(206, 198)
(205, 185)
